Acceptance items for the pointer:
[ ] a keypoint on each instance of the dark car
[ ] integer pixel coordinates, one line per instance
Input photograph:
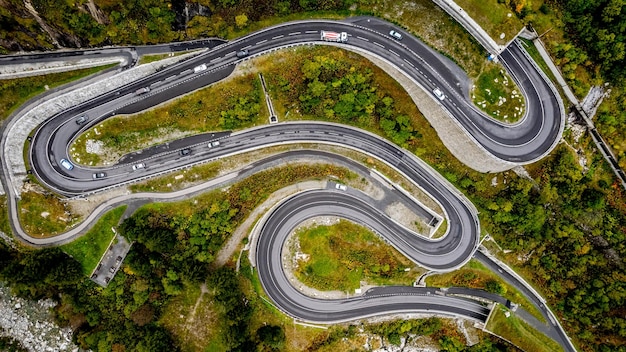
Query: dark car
(185, 151)
(98, 175)
(81, 119)
(107, 279)
(242, 53)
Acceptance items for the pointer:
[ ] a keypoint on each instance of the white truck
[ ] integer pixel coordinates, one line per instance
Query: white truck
(334, 36)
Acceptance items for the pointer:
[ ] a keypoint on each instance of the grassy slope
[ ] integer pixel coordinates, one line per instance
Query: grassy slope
(344, 254)
(88, 249)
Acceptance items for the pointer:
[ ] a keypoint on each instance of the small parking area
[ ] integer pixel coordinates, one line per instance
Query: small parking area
(111, 261)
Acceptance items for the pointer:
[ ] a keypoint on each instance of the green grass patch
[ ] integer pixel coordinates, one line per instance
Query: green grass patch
(475, 275)
(43, 214)
(175, 182)
(15, 92)
(4, 216)
(519, 333)
(146, 59)
(441, 230)
(494, 16)
(88, 249)
(497, 94)
(232, 104)
(534, 53)
(340, 256)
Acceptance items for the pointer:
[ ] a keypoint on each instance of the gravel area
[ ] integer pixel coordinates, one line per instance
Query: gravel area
(31, 323)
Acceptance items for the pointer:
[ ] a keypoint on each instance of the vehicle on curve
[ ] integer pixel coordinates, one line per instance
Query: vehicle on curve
(334, 36)
(439, 94)
(243, 53)
(139, 166)
(395, 35)
(185, 151)
(199, 68)
(214, 144)
(66, 164)
(143, 90)
(341, 187)
(81, 119)
(98, 175)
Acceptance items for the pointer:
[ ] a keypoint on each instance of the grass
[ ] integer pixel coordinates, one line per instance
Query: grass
(43, 214)
(538, 59)
(441, 230)
(146, 59)
(344, 254)
(193, 320)
(496, 94)
(4, 216)
(179, 179)
(15, 92)
(475, 275)
(88, 249)
(494, 17)
(195, 113)
(519, 333)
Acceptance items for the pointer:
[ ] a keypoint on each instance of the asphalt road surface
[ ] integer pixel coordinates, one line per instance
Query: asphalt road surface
(528, 140)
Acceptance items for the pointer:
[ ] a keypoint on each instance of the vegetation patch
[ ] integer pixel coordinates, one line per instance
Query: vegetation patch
(43, 214)
(496, 17)
(232, 104)
(179, 179)
(15, 92)
(498, 95)
(146, 59)
(519, 332)
(5, 226)
(340, 256)
(475, 275)
(88, 249)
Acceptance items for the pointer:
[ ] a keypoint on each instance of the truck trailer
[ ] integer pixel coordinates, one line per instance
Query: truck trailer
(334, 36)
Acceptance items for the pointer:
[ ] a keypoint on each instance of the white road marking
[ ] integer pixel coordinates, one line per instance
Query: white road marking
(380, 45)
(395, 53)
(367, 40)
(294, 33)
(261, 42)
(310, 32)
(278, 36)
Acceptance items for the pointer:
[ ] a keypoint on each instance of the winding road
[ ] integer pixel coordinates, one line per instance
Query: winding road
(530, 139)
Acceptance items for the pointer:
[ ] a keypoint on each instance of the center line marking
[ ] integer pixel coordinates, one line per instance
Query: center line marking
(395, 53)
(367, 40)
(380, 45)
(261, 42)
(294, 33)
(278, 36)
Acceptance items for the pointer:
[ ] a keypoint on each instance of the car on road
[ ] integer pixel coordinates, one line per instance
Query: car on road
(185, 151)
(112, 269)
(439, 94)
(395, 35)
(98, 175)
(341, 187)
(199, 68)
(243, 53)
(66, 164)
(139, 166)
(107, 279)
(81, 119)
(143, 90)
(213, 144)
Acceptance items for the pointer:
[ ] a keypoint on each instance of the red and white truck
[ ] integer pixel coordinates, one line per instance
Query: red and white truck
(334, 36)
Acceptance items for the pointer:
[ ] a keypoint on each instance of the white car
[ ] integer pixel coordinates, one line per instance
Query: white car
(395, 35)
(138, 166)
(439, 94)
(341, 187)
(213, 144)
(66, 164)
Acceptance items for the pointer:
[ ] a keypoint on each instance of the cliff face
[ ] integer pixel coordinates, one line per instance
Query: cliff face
(29, 25)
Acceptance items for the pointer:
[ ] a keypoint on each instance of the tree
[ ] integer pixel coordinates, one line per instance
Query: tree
(270, 337)
(241, 21)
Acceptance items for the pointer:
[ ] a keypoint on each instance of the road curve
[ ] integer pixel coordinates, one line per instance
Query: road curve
(532, 138)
